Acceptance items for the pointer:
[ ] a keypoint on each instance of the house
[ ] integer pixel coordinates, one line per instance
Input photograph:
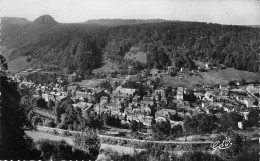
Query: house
(28, 84)
(208, 66)
(170, 70)
(245, 114)
(83, 105)
(249, 102)
(104, 100)
(224, 87)
(154, 71)
(112, 106)
(126, 91)
(146, 110)
(175, 123)
(159, 119)
(229, 108)
(119, 98)
(146, 120)
(198, 110)
(48, 97)
(180, 92)
(242, 124)
(181, 104)
(86, 95)
(144, 73)
(132, 78)
(136, 99)
(160, 92)
(148, 100)
(164, 99)
(166, 113)
(209, 95)
(199, 95)
(184, 112)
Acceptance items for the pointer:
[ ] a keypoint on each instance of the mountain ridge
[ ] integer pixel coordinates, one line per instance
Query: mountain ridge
(14, 21)
(79, 46)
(119, 22)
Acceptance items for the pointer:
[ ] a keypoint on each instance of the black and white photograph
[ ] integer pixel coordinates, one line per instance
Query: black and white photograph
(130, 80)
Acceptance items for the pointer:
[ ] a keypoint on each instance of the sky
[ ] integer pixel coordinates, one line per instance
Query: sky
(236, 12)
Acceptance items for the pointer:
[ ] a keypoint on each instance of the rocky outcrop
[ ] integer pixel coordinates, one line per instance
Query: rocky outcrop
(45, 19)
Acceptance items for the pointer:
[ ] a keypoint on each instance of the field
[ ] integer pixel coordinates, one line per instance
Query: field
(41, 135)
(211, 77)
(107, 65)
(136, 55)
(16, 63)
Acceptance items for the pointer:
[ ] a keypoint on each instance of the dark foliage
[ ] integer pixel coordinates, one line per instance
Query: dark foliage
(161, 130)
(88, 142)
(60, 150)
(79, 47)
(230, 120)
(200, 124)
(253, 117)
(14, 144)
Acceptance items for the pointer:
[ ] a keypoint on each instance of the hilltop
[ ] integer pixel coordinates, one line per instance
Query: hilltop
(45, 19)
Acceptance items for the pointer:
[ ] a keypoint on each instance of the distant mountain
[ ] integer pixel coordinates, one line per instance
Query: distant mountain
(120, 22)
(14, 21)
(45, 19)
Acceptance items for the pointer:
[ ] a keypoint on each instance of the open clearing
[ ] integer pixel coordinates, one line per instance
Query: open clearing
(211, 77)
(107, 65)
(136, 55)
(17, 63)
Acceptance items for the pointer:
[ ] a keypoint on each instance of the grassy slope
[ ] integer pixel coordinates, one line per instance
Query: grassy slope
(2, 49)
(211, 77)
(17, 63)
(107, 65)
(136, 55)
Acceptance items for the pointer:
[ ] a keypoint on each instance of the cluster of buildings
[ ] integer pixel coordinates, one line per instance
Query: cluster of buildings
(149, 101)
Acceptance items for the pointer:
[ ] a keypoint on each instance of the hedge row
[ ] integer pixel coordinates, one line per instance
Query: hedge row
(148, 144)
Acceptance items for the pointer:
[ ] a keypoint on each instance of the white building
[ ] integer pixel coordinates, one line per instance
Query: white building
(180, 91)
(249, 102)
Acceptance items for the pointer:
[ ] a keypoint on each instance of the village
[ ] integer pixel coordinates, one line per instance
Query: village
(142, 98)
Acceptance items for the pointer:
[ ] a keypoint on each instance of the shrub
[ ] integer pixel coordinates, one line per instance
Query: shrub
(49, 123)
(199, 156)
(239, 145)
(62, 126)
(59, 150)
(88, 141)
(36, 120)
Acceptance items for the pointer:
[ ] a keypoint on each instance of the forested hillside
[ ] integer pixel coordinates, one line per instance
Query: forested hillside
(120, 22)
(79, 46)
